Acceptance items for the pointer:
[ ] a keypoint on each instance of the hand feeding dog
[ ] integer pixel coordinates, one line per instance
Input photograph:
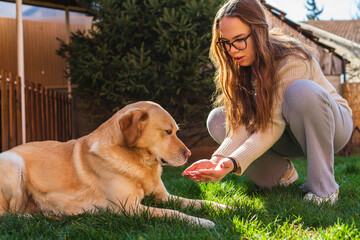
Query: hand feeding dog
(113, 167)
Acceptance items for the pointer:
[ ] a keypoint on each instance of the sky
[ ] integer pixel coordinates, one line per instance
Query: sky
(8, 10)
(333, 9)
(295, 10)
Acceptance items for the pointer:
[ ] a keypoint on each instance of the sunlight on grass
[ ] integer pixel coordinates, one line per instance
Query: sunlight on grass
(279, 213)
(235, 195)
(253, 228)
(340, 231)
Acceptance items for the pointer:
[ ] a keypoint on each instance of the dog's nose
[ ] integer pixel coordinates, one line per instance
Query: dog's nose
(187, 153)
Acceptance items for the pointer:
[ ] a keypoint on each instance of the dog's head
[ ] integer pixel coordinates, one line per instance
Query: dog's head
(146, 125)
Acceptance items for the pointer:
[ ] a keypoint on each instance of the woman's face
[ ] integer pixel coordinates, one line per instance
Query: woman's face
(231, 29)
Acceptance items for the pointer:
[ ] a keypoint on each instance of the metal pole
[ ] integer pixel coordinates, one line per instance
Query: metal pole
(20, 64)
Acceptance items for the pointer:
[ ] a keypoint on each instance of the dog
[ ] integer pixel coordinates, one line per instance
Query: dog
(114, 167)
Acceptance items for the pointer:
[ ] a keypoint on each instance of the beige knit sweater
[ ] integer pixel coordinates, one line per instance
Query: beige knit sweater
(245, 147)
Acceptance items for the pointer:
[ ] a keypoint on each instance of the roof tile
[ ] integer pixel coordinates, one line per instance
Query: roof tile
(349, 29)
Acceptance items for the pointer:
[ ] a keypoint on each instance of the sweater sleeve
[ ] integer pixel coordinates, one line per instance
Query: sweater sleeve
(245, 147)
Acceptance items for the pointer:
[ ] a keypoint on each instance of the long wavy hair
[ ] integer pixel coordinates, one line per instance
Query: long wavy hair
(236, 85)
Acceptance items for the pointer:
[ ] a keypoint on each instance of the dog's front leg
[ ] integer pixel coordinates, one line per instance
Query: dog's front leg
(164, 196)
(161, 212)
(195, 202)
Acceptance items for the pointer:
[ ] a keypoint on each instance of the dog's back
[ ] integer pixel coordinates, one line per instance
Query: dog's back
(41, 174)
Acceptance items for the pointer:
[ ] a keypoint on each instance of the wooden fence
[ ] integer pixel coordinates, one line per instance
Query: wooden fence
(351, 92)
(48, 113)
(41, 63)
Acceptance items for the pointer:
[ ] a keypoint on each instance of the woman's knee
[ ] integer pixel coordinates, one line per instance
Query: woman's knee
(216, 124)
(304, 95)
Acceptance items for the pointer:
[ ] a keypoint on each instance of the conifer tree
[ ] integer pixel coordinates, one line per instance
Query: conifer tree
(314, 12)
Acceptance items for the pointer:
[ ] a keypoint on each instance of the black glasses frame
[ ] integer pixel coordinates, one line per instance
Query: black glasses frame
(220, 44)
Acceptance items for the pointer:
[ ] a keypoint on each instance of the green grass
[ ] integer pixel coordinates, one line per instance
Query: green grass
(279, 213)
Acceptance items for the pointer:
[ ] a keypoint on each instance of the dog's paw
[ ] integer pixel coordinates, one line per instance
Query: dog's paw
(206, 223)
(221, 206)
(201, 221)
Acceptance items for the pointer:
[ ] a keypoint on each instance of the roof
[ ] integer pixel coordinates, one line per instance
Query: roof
(71, 5)
(307, 33)
(349, 29)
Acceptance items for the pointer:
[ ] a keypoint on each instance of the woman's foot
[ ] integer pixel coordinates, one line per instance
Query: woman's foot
(332, 198)
(290, 176)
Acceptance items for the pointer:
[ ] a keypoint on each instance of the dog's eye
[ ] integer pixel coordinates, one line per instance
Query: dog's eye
(168, 132)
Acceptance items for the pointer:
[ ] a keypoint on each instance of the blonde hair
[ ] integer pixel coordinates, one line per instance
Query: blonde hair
(234, 88)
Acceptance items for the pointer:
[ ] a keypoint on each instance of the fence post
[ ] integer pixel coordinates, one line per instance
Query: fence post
(4, 113)
(47, 114)
(12, 112)
(51, 113)
(28, 112)
(18, 112)
(38, 112)
(69, 132)
(43, 112)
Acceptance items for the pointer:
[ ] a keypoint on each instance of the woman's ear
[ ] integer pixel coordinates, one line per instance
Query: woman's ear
(132, 123)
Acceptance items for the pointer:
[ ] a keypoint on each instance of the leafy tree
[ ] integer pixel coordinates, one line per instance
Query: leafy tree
(314, 12)
(145, 50)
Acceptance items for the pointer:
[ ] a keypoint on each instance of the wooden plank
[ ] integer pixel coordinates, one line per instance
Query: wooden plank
(47, 114)
(60, 117)
(70, 118)
(56, 117)
(43, 112)
(42, 64)
(51, 114)
(28, 111)
(8, 44)
(12, 112)
(38, 112)
(63, 118)
(67, 117)
(4, 113)
(33, 112)
(18, 111)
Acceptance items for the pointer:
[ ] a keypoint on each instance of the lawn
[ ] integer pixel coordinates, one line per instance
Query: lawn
(279, 213)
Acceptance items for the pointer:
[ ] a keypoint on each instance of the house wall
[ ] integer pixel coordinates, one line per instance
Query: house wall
(334, 80)
(42, 64)
(331, 65)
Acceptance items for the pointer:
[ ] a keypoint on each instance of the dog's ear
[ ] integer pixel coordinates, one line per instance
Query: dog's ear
(131, 124)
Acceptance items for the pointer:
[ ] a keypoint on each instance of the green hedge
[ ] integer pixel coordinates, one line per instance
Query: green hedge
(145, 50)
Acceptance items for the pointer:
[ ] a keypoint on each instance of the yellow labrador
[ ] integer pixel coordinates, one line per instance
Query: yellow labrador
(113, 167)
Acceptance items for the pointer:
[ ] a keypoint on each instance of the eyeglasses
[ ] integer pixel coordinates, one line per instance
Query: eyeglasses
(239, 44)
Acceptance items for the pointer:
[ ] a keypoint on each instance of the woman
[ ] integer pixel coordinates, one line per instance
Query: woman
(276, 103)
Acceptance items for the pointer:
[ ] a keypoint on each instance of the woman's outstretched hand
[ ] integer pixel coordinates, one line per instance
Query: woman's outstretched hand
(212, 170)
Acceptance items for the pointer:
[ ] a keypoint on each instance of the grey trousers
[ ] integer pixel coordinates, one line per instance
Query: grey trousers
(317, 127)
